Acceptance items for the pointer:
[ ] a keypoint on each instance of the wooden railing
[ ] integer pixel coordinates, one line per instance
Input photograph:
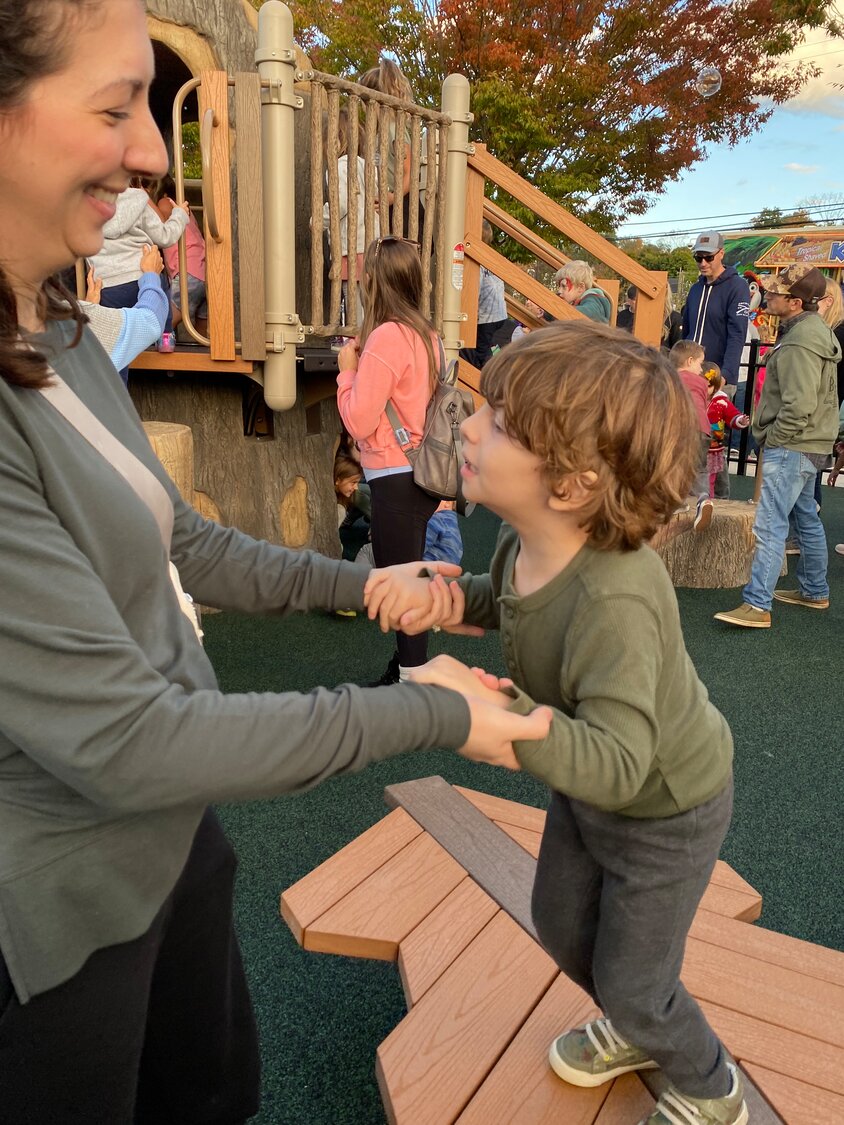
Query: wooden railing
(485, 168)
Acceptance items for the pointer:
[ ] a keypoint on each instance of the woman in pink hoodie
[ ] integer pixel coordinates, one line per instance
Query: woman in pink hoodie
(394, 359)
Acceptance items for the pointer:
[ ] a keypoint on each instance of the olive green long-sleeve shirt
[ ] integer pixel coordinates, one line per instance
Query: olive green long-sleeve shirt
(633, 730)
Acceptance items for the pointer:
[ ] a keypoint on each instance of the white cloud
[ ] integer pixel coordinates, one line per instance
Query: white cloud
(802, 169)
(819, 95)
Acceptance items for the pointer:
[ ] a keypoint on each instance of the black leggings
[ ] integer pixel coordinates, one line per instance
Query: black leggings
(400, 514)
(155, 1030)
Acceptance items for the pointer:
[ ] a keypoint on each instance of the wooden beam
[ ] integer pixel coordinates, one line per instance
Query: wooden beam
(219, 282)
(493, 169)
(524, 235)
(191, 359)
(250, 216)
(521, 281)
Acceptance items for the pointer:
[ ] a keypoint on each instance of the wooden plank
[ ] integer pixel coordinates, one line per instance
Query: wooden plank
(439, 939)
(502, 868)
(471, 271)
(628, 1101)
(524, 235)
(430, 1066)
(767, 992)
(777, 949)
(521, 1087)
(250, 215)
(726, 876)
(373, 918)
(752, 1040)
(502, 810)
(522, 282)
(313, 894)
(526, 839)
(561, 219)
(731, 904)
(219, 281)
(649, 317)
(191, 359)
(797, 1102)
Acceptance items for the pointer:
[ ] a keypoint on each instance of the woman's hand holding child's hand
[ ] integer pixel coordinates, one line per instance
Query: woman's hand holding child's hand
(94, 287)
(392, 591)
(494, 728)
(446, 609)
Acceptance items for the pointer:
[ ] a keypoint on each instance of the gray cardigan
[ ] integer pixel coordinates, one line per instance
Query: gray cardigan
(113, 732)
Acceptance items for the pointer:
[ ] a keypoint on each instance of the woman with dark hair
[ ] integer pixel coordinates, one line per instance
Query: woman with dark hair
(122, 995)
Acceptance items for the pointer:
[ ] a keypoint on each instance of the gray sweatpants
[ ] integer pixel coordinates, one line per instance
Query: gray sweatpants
(613, 902)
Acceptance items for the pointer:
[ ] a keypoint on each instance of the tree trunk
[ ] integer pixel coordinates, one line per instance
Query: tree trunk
(173, 446)
(718, 558)
(280, 488)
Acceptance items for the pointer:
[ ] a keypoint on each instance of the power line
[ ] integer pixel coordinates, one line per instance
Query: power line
(737, 214)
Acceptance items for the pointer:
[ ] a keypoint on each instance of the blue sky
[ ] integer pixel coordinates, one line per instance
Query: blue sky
(798, 153)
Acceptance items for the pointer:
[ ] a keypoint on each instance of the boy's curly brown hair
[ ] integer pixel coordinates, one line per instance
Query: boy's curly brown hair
(586, 398)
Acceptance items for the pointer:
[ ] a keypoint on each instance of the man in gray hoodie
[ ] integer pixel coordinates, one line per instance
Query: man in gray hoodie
(796, 424)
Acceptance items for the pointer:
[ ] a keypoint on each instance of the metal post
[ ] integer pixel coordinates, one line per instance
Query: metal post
(276, 62)
(455, 103)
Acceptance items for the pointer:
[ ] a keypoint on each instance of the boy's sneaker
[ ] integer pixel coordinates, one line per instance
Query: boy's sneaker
(345, 613)
(792, 547)
(794, 597)
(167, 343)
(748, 616)
(595, 1054)
(839, 548)
(703, 515)
(674, 1108)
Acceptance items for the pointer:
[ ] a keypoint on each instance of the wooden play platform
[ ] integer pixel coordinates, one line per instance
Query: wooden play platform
(442, 886)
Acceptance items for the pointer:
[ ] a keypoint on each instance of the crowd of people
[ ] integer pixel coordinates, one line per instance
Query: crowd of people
(123, 999)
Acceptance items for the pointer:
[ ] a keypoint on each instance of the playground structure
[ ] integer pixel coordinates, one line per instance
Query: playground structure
(258, 391)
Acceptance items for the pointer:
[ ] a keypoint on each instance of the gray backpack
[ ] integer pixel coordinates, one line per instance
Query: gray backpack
(436, 461)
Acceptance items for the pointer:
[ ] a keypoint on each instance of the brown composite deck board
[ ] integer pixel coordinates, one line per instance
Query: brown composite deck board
(797, 1102)
(497, 864)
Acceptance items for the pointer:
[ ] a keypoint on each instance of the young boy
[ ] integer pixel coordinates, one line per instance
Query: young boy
(584, 447)
(688, 358)
(722, 416)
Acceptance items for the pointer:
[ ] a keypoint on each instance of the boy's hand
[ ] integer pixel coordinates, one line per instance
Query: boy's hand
(493, 732)
(151, 260)
(446, 609)
(472, 683)
(392, 591)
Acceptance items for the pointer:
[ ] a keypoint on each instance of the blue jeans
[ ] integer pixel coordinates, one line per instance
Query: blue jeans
(788, 486)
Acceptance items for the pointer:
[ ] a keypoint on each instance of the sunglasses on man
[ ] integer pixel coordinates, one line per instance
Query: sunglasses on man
(704, 258)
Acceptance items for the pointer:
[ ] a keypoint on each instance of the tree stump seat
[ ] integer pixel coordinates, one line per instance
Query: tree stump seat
(442, 886)
(719, 557)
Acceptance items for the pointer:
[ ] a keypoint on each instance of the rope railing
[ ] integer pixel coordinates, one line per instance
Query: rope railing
(380, 130)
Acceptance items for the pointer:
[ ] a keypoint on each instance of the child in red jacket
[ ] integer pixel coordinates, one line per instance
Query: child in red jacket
(722, 416)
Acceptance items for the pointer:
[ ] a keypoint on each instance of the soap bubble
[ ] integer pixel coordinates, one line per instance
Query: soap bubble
(708, 81)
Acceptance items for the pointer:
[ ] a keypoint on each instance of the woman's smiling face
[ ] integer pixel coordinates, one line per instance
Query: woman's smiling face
(72, 146)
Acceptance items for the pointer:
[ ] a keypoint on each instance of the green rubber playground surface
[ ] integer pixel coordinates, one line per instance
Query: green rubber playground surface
(322, 1017)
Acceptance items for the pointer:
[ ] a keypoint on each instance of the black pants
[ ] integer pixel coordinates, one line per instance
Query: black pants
(482, 350)
(400, 514)
(156, 1031)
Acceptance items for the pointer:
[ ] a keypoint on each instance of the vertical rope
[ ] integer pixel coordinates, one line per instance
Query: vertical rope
(385, 116)
(352, 217)
(415, 166)
(443, 252)
(428, 223)
(371, 218)
(399, 143)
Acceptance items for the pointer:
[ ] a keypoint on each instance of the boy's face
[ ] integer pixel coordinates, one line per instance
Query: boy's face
(695, 364)
(498, 472)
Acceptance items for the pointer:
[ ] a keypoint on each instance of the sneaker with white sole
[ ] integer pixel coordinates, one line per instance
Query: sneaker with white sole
(703, 514)
(839, 548)
(748, 616)
(794, 597)
(595, 1054)
(674, 1108)
(792, 547)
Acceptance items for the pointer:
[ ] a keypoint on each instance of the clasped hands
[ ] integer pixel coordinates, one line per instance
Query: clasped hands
(400, 599)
